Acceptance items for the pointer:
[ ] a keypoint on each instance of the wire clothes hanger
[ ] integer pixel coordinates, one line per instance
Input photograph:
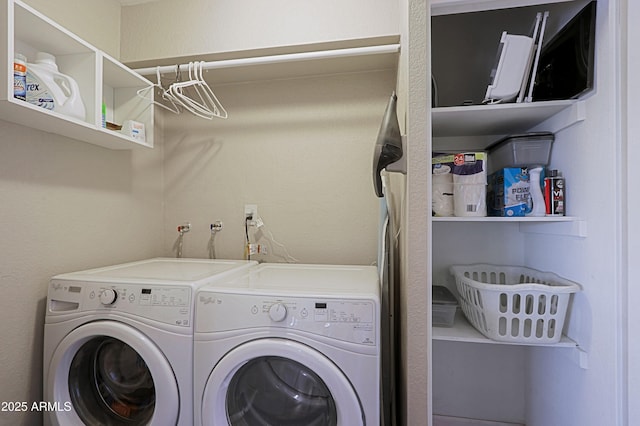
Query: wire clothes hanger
(196, 96)
(212, 100)
(146, 91)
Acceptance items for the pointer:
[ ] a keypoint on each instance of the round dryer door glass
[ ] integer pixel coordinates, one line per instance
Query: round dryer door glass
(110, 384)
(273, 390)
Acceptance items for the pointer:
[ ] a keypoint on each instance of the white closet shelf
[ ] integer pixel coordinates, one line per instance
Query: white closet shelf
(501, 119)
(462, 331)
(448, 7)
(28, 115)
(104, 83)
(525, 219)
(549, 225)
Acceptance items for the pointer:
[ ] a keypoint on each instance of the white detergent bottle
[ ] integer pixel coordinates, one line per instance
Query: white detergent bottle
(539, 208)
(48, 88)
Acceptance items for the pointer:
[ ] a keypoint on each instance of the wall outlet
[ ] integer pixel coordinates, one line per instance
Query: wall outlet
(251, 210)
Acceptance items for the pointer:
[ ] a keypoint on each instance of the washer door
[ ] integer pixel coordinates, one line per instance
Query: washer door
(109, 373)
(279, 382)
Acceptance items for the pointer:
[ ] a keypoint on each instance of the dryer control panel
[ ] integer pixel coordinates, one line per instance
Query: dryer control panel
(350, 320)
(163, 303)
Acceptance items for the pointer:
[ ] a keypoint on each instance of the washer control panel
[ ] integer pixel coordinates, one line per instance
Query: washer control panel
(164, 303)
(351, 320)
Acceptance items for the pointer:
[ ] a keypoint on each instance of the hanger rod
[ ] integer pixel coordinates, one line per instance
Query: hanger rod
(276, 59)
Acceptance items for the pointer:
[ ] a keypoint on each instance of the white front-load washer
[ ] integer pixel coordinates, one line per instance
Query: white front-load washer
(287, 344)
(118, 342)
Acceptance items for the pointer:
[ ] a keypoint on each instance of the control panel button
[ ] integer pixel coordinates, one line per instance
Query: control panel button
(278, 312)
(108, 296)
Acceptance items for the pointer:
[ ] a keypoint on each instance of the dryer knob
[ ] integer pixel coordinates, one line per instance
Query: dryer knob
(108, 296)
(278, 312)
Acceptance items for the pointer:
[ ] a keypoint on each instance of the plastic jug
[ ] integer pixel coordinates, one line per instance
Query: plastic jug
(48, 88)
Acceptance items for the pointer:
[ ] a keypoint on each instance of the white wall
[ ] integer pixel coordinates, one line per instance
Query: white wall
(631, 67)
(560, 392)
(301, 149)
(166, 29)
(64, 205)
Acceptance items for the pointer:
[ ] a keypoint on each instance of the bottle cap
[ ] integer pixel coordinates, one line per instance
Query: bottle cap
(47, 59)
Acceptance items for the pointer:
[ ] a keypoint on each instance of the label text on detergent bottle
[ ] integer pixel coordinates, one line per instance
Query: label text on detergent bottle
(37, 94)
(20, 81)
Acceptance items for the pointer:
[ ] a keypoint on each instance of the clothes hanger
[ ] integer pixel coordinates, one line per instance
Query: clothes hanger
(180, 93)
(145, 92)
(214, 103)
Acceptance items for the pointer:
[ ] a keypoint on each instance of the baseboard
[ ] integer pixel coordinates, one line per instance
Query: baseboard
(460, 421)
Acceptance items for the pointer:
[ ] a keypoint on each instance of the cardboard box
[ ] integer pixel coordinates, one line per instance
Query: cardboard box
(508, 193)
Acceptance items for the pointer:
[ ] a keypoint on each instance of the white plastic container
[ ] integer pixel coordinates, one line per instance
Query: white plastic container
(444, 306)
(513, 303)
(52, 90)
(525, 150)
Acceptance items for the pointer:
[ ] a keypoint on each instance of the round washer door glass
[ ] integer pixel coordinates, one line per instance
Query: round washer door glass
(274, 381)
(272, 390)
(109, 382)
(111, 374)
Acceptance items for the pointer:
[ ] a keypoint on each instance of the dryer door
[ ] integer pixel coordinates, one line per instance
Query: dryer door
(279, 382)
(109, 373)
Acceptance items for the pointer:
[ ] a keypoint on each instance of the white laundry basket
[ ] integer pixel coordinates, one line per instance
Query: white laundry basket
(513, 303)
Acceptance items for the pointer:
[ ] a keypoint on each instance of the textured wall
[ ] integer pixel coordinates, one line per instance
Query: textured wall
(66, 205)
(95, 21)
(301, 149)
(166, 29)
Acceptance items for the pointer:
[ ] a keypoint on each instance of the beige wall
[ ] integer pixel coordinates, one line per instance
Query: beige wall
(64, 205)
(416, 296)
(167, 29)
(301, 149)
(97, 22)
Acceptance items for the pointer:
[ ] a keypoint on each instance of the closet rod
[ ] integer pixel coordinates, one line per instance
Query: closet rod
(277, 59)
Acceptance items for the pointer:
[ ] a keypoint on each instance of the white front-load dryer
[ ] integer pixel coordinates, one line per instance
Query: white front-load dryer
(118, 342)
(289, 345)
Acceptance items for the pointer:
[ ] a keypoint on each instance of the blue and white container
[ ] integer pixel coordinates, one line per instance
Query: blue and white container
(509, 194)
(20, 77)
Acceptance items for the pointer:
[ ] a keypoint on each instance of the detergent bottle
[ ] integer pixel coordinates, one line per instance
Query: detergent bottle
(48, 88)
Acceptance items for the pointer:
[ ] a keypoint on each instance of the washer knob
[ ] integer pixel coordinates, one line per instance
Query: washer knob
(278, 312)
(108, 296)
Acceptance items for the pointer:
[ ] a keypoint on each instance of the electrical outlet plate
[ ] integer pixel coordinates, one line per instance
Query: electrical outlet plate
(251, 210)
